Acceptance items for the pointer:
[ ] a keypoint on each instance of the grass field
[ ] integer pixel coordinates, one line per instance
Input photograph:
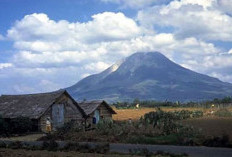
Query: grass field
(135, 114)
(210, 125)
(126, 114)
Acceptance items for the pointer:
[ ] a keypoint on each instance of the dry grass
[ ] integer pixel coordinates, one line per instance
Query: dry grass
(135, 114)
(212, 126)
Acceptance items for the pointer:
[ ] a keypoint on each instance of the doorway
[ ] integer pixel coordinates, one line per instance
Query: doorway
(57, 115)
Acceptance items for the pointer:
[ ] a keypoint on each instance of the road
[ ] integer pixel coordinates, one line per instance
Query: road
(192, 151)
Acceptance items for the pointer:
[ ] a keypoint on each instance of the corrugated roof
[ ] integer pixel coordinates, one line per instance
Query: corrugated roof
(29, 105)
(90, 106)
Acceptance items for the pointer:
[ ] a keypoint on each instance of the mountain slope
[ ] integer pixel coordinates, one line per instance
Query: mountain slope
(149, 76)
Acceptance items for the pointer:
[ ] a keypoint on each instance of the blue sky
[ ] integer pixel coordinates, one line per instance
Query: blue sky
(48, 45)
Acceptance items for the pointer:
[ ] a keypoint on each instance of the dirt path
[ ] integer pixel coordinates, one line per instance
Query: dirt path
(127, 148)
(191, 151)
(32, 137)
(43, 153)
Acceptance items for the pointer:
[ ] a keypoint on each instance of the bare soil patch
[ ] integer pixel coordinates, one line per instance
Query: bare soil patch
(31, 137)
(212, 126)
(43, 153)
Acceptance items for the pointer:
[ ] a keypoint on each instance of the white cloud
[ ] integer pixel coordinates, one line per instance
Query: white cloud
(225, 5)
(20, 88)
(135, 4)
(42, 86)
(223, 77)
(37, 30)
(99, 66)
(190, 18)
(218, 61)
(85, 75)
(5, 65)
(56, 54)
(230, 51)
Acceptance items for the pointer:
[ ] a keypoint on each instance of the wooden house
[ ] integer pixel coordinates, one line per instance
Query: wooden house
(95, 111)
(59, 106)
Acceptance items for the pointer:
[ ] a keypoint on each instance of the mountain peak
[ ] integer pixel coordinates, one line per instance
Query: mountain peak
(149, 76)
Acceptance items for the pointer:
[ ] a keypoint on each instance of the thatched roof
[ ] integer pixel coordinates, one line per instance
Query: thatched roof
(90, 106)
(31, 105)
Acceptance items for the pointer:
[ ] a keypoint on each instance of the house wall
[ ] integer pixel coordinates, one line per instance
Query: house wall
(42, 120)
(104, 112)
(71, 112)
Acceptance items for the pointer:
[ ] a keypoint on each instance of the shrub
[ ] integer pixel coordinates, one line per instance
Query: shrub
(197, 114)
(51, 145)
(2, 144)
(183, 114)
(15, 145)
(19, 125)
(104, 124)
(72, 146)
(167, 122)
(164, 121)
(70, 126)
(87, 148)
(218, 142)
(3, 127)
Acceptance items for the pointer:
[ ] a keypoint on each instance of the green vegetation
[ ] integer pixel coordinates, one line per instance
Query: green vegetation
(157, 127)
(154, 103)
(154, 128)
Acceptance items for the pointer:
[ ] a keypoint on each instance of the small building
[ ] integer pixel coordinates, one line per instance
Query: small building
(58, 105)
(96, 110)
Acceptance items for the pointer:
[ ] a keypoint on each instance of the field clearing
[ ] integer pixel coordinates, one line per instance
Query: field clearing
(212, 126)
(135, 114)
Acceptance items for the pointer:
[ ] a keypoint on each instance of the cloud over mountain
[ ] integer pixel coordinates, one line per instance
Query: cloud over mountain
(62, 52)
(204, 20)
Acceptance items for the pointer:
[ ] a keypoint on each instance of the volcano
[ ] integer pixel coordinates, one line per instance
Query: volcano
(149, 76)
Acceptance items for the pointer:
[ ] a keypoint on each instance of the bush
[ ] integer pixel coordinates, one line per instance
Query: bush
(218, 142)
(2, 144)
(3, 127)
(87, 148)
(183, 114)
(15, 145)
(104, 124)
(51, 145)
(19, 125)
(197, 114)
(70, 126)
(167, 122)
(223, 113)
